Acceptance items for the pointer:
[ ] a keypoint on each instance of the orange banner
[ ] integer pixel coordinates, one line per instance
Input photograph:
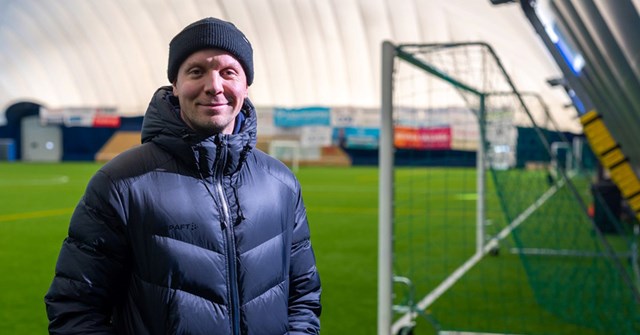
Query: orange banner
(423, 138)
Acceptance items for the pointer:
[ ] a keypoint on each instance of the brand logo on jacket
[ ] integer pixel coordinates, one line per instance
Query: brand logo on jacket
(184, 226)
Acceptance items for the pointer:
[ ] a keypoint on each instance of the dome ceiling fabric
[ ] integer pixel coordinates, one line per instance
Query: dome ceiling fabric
(307, 52)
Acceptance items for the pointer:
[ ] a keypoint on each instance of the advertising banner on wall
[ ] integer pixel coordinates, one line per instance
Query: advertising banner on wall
(359, 137)
(315, 136)
(96, 117)
(423, 138)
(106, 121)
(299, 117)
(464, 137)
(434, 117)
(342, 117)
(51, 116)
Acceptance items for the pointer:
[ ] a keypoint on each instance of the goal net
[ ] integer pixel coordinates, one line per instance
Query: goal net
(482, 230)
(287, 151)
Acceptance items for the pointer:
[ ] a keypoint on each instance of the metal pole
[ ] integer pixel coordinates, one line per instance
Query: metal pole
(480, 180)
(385, 196)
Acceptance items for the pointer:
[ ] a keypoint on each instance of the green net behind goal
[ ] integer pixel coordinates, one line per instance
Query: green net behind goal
(491, 228)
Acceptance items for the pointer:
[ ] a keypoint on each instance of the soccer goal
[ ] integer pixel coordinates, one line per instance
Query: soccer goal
(479, 230)
(287, 151)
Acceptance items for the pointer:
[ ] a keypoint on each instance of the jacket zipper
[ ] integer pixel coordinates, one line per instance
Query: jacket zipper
(231, 259)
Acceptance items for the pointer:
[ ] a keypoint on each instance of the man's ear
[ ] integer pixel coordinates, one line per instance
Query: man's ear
(174, 88)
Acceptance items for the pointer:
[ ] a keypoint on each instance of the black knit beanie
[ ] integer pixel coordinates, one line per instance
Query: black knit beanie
(210, 33)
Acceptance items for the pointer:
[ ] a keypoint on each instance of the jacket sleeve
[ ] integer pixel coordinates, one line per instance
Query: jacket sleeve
(305, 288)
(90, 273)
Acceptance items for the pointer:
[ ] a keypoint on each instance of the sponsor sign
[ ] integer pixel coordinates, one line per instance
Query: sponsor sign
(80, 117)
(315, 136)
(434, 117)
(106, 121)
(342, 117)
(299, 117)
(361, 138)
(423, 138)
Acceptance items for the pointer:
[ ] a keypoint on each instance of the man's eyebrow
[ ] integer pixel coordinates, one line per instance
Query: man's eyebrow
(192, 63)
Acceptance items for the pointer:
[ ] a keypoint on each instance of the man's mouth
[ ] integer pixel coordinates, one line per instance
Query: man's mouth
(214, 104)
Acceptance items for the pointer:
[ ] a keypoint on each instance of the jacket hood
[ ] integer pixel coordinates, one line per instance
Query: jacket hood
(163, 126)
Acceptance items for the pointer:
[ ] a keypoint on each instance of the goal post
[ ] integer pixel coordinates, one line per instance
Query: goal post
(385, 194)
(287, 151)
(386, 178)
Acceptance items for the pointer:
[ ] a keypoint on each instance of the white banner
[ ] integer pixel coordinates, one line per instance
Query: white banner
(342, 117)
(316, 136)
(80, 116)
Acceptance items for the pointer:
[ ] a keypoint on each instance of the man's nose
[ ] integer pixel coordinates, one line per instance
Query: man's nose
(214, 83)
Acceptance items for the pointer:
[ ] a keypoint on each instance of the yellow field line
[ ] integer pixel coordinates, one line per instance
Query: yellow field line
(35, 215)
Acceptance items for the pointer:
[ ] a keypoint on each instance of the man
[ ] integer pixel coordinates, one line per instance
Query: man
(195, 231)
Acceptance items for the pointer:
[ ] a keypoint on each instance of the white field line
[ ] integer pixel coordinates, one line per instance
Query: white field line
(406, 319)
(56, 180)
(35, 215)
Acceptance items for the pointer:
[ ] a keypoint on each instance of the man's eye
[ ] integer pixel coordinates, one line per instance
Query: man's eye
(195, 72)
(229, 72)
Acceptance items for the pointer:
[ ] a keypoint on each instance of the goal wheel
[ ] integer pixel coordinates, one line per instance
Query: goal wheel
(406, 330)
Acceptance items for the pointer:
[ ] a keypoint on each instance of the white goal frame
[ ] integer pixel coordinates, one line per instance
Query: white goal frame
(277, 146)
(386, 185)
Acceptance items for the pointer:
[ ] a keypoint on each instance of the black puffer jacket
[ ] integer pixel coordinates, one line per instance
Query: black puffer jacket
(188, 236)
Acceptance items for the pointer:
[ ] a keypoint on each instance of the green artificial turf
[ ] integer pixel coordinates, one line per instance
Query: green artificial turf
(36, 202)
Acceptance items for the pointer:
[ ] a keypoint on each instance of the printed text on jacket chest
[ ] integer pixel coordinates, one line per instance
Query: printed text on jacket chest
(181, 227)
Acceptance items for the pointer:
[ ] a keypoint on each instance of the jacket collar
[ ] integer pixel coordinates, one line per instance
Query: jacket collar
(223, 153)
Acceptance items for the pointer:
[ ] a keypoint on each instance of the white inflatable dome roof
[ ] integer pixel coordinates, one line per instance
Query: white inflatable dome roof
(307, 52)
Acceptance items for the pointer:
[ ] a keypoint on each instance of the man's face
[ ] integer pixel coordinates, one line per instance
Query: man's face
(211, 86)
